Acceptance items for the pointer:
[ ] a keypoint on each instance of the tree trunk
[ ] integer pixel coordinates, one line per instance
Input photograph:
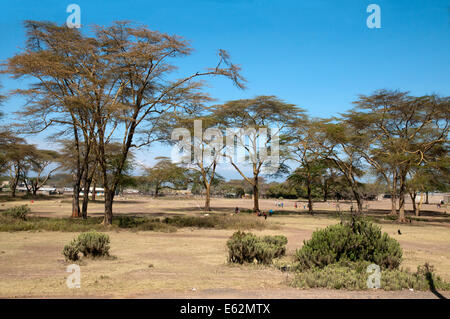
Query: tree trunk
(76, 202)
(393, 205)
(394, 195)
(87, 185)
(14, 188)
(208, 198)
(358, 200)
(84, 206)
(413, 196)
(255, 196)
(109, 198)
(401, 200)
(156, 190)
(93, 191)
(14, 182)
(426, 197)
(310, 204)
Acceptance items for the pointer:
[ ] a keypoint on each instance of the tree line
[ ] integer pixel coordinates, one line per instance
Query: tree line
(106, 93)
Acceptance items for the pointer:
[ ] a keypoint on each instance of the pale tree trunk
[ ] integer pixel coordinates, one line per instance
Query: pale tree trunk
(254, 182)
(76, 213)
(14, 182)
(207, 184)
(310, 203)
(76, 201)
(413, 196)
(393, 205)
(208, 198)
(358, 200)
(401, 199)
(394, 196)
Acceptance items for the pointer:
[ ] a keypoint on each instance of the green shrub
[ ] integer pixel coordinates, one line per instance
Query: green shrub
(127, 222)
(90, 244)
(18, 212)
(71, 251)
(358, 240)
(52, 224)
(353, 276)
(93, 244)
(247, 247)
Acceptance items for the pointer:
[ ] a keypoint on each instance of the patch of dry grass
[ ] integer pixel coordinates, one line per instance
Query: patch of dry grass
(31, 263)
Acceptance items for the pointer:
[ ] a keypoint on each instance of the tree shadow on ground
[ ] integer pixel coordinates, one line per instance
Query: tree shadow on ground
(430, 280)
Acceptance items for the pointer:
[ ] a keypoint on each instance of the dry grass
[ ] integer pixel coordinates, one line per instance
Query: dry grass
(172, 264)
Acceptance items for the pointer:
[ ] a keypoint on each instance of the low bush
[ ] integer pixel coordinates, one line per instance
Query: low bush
(17, 212)
(71, 251)
(247, 248)
(52, 224)
(93, 244)
(357, 240)
(353, 276)
(90, 244)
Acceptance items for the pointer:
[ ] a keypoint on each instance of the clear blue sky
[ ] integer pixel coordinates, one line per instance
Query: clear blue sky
(316, 54)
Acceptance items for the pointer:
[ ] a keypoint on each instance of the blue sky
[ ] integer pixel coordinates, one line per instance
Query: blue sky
(316, 54)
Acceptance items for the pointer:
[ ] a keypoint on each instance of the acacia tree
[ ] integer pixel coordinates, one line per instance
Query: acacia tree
(204, 150)
(330, 178)
(305, 149)
(365, 125)
(17, 157)
(8, 142)
(340, 145)
(137, 62)
(404, 130)
(58, 58)
(3, 139)
(429, 176)
(165, 174)
(113, 82)
(70, 154)
(254, 126)
(309, 176)
(38, 171)
(196, 182)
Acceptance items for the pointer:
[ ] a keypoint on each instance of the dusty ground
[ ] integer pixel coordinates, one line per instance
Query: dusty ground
(191, 263)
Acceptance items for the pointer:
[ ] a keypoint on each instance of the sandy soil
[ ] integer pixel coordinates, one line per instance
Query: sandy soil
(191, 263)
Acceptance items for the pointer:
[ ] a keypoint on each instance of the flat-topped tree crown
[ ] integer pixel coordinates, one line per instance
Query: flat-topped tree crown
(112, 83)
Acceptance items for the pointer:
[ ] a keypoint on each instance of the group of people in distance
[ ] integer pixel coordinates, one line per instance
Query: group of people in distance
(296, 204)
(257, 213)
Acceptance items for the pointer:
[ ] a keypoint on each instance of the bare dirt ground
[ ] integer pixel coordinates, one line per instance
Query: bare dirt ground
(191, 263)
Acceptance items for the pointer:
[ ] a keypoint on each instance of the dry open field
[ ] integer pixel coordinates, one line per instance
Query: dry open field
(191, 263)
